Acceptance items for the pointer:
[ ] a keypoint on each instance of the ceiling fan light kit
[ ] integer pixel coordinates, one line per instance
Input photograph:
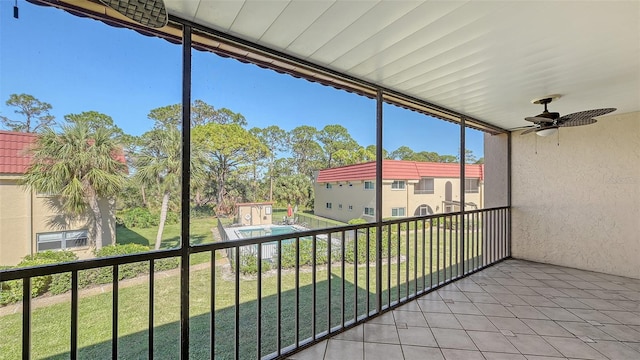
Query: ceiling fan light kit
(547, 131)
(547, 123)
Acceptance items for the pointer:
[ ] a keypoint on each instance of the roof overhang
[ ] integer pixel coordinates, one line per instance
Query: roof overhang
(483, 61)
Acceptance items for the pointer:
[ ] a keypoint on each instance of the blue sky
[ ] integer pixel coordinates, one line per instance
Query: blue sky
(78, 64)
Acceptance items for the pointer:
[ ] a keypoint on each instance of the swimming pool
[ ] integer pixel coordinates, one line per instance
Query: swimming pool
(266, 231)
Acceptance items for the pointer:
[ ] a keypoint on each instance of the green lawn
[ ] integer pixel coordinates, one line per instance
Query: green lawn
(50, 332)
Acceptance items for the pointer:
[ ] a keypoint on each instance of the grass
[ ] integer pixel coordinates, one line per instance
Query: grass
(200, 232)
(50, 331)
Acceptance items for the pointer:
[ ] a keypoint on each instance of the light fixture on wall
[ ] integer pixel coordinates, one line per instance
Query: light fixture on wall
(547, 131)
(151, 13)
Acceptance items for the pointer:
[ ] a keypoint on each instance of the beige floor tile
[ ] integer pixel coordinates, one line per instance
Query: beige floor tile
(433, 306)
(464, 308)
(558, 314)
(585, 329)
(491, 341)
(344, 349)
(410, 318)
(624, 317)
(453, 339)
(593, 315)
(621, 332)
(386, 319)
(411, 306)
(421, 353)
(379, 333)
(511, 324)
(494, 310)
(444, 321)
(374, 351)
(546, 327)
(451, 354)
(527, 312)
(533, 345)
(316, 352)
(355, 334)
(476, 322)
(615, 350)
(418, 336)
(481, 298)
(502, 356)
(574, 348)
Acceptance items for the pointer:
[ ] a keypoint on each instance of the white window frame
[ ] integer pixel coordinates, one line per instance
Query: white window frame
(417, 189)
(369, 211)
(350, 208)
(328, 186)
(64, 237)
(369, 185)
(329, 205)
(397, 210)
(399, 185)
(468, 189)
(339, 206)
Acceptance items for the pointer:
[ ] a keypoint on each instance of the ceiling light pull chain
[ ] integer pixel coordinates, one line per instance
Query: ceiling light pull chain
(558, 137)
(15, 10)
(536, 146)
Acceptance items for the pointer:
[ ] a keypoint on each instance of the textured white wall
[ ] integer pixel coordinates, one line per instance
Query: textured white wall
(577, 204)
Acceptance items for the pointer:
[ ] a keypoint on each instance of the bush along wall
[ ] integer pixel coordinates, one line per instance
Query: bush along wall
(11, 291)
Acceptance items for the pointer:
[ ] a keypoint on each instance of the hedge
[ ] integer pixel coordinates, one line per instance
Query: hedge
(11, 291)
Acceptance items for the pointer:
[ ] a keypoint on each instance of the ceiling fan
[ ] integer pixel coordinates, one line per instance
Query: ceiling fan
(547, 123)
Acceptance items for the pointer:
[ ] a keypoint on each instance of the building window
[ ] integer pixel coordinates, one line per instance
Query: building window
(350, 207)
(424, 210)
(62, 240)
(328, 186)
(424, 186)
(471, 185)
(368, 185)
(368, 211)
(339, 206)
(328, 205)
(395, 212)
(398, 185)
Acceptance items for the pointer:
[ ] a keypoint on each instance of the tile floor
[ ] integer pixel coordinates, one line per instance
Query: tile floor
(513, 310)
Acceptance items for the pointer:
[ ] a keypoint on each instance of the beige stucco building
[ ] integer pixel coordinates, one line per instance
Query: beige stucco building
(254, 213)
(31, 222)
(409, 188)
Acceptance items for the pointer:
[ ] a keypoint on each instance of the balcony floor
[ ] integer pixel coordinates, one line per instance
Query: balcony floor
(513, 310)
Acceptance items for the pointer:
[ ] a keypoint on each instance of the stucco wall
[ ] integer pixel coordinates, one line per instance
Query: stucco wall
(577, 204)
(495, 170)
(353, 193)
(23, 216)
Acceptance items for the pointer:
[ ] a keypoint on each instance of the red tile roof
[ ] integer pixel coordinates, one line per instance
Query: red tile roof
(14, 146)
(399, 170)
(14, 152)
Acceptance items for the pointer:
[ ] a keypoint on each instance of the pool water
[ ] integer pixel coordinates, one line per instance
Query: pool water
(266, 231)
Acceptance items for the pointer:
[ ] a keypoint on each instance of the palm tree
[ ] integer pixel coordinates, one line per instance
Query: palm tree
(159, 164)
(81, 166)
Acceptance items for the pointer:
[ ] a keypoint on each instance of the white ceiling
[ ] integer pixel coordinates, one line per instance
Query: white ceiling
(486, 59)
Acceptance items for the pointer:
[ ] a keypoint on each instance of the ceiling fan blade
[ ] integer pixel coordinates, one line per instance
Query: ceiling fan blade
(530, 130)
(583, 117)
(578, 122)
(538, 119)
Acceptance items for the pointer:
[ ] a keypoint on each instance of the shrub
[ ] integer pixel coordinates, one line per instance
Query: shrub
(139, 217)
(11, 291)
(249, 264)
(357, 221)
(306, 253)
(388, 249)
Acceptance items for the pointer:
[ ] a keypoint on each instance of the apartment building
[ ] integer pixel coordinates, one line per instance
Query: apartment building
(409, 188)
(31, 222)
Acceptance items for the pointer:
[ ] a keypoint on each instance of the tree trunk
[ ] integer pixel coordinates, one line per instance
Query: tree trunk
(144, 196)
(163, 218)
(97, 221)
